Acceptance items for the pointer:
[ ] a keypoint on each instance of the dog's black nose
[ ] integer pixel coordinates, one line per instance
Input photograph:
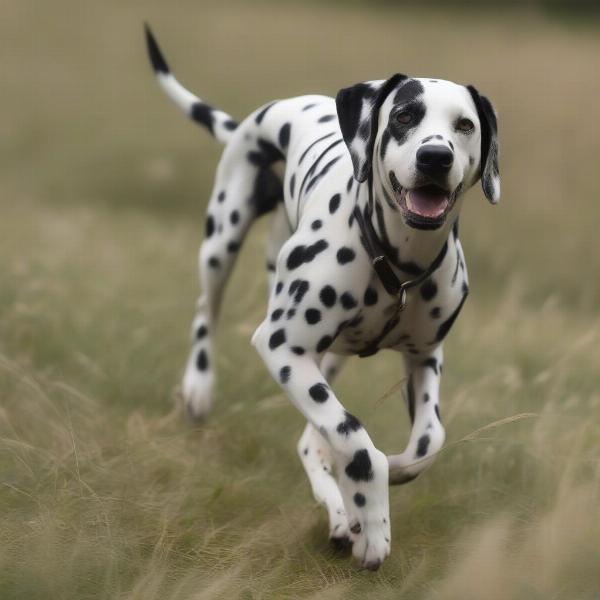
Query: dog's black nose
(434, 160)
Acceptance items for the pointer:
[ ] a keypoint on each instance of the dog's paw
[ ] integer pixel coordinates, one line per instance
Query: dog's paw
(340, 543)
(371, 542)
(339, 531)
(196, 389)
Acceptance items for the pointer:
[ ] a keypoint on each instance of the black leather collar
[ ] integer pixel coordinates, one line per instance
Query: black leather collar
(381, 262)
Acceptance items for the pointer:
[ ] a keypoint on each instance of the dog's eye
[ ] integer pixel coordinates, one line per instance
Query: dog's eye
(403, 117)
(465, 125)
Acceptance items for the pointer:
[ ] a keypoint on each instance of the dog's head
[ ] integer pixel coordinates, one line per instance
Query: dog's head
(426, 140)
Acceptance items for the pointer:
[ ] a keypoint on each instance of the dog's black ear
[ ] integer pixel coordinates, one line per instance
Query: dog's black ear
(358, 112)
(490, 172)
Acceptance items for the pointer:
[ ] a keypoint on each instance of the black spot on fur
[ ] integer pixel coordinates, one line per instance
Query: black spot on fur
(328, 296)
(233, 247)
(284, 135)
(292, 184)
(370, 297)
(203, 114)
(408, 91)
(426, 397)
(444, 328)
(278, 287)
(157, 59)
(360, 469)
(284, 374)
(318, 392)
(316, 224)
(355, 528)
(348, 301)
(201, 332)
(305, 254)
(435, 312)
(324, 343)
(261, 115)
(277, 339)
(298, 289)
(210, 226)
(312, 145)
(327, 118)
(334, 203)
(431, 363)
(221, 197)
(291, 312)
(323, 171)
(298, 350)
(350, 184)
(276, 314)
(350, 423)
(234, 217)
(359, 499)
(214, 262)
(385, 140)
(230, 124)
(309, 106)
(422, 446)
(345, 255)
(410, 392)
(266, 192)
(312, 316)
(202, 361)
(428, 289)
(265, 155)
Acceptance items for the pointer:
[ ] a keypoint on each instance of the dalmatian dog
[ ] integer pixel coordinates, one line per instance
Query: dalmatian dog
(365, 191)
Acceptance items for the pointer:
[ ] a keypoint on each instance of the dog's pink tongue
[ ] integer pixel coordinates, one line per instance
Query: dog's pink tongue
(426, 203)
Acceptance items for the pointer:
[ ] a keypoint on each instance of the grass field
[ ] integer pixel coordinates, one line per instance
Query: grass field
(107, 492)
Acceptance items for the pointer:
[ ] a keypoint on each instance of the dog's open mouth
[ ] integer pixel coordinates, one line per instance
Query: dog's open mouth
(425, 206)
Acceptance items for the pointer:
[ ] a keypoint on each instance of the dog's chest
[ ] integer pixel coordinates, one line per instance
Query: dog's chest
(421, 325)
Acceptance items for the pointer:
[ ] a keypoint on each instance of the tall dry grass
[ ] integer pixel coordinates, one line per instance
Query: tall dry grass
(106, 491)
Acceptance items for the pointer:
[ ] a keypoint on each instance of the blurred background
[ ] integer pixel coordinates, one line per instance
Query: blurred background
(107, 492)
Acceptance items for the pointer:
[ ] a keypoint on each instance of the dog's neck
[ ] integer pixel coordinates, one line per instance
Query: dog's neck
(412, 250)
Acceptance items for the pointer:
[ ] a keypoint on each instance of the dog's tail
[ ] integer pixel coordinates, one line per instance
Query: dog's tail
(220, 124)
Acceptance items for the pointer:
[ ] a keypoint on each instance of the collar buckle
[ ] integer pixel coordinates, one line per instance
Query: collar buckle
(401, 295)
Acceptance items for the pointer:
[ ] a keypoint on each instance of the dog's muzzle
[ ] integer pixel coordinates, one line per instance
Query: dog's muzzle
(425, 206)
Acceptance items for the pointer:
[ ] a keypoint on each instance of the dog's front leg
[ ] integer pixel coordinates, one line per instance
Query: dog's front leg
(362, 470)
(427, 433)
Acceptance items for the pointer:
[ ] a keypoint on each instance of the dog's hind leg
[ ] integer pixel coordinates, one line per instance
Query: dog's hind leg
(243, 190)
(317, 460)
